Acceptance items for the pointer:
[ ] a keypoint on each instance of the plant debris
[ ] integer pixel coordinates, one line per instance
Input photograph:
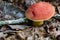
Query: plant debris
(14, 25)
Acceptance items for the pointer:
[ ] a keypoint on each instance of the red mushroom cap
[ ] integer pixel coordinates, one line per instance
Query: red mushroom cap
(40, 11)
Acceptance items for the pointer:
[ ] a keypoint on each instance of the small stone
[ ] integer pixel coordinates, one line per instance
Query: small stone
(8, 17)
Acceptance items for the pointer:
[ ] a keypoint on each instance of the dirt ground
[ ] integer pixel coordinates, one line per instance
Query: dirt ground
(14, 9)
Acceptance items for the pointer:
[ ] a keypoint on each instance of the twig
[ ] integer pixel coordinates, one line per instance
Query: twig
(21, 20)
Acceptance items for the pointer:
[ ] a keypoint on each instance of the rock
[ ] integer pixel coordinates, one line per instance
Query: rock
(8, 17)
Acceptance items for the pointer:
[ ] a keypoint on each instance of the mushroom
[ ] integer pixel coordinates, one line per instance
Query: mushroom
(39, 12)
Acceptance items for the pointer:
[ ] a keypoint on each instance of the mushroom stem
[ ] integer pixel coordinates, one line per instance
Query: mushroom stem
(38, 23)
